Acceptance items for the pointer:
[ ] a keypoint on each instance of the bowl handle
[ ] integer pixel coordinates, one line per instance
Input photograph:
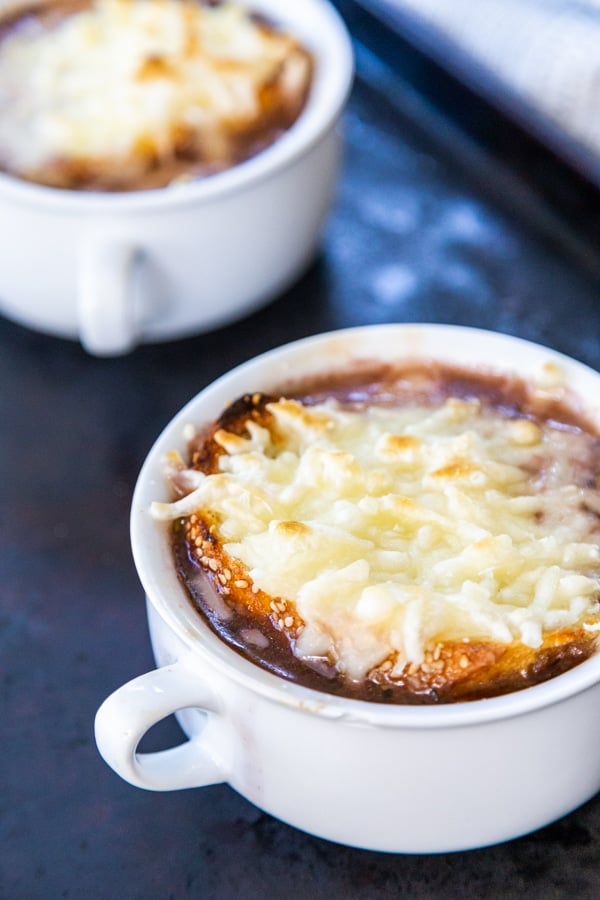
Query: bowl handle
(107, 299)
(128, 713)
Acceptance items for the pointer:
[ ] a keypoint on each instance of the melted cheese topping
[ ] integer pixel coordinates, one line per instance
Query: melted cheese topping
(137, 78)
(394, 529)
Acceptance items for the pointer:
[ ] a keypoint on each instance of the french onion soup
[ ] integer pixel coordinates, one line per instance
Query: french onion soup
(412, 534)
(119, 95)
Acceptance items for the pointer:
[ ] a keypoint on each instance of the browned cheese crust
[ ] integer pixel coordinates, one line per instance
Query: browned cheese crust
(451, 671)
(188, 151)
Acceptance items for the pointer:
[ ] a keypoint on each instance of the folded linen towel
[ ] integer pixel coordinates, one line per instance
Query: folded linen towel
(543, 53)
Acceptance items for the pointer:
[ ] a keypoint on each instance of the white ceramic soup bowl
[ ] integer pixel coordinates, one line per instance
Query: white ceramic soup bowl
(115, 270)
(390, 778)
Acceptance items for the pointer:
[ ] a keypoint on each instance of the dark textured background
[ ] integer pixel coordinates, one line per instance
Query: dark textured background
(427, 226)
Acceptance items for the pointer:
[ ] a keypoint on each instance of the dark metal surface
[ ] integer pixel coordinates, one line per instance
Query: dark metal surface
(565, 177)
(425, 228)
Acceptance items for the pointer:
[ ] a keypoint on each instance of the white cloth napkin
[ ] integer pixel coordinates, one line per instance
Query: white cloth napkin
(545, 52)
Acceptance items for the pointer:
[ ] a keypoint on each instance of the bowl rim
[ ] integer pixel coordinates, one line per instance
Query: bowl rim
(169, 599)
(321, 29)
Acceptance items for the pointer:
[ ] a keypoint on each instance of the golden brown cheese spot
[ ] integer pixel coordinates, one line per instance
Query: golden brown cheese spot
(400, 443)
(457, 469)
(399, 448)
(154, 67)
(293, 530)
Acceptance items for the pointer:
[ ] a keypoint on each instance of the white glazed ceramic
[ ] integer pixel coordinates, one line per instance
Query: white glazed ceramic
(391, 778)
(115, 270)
